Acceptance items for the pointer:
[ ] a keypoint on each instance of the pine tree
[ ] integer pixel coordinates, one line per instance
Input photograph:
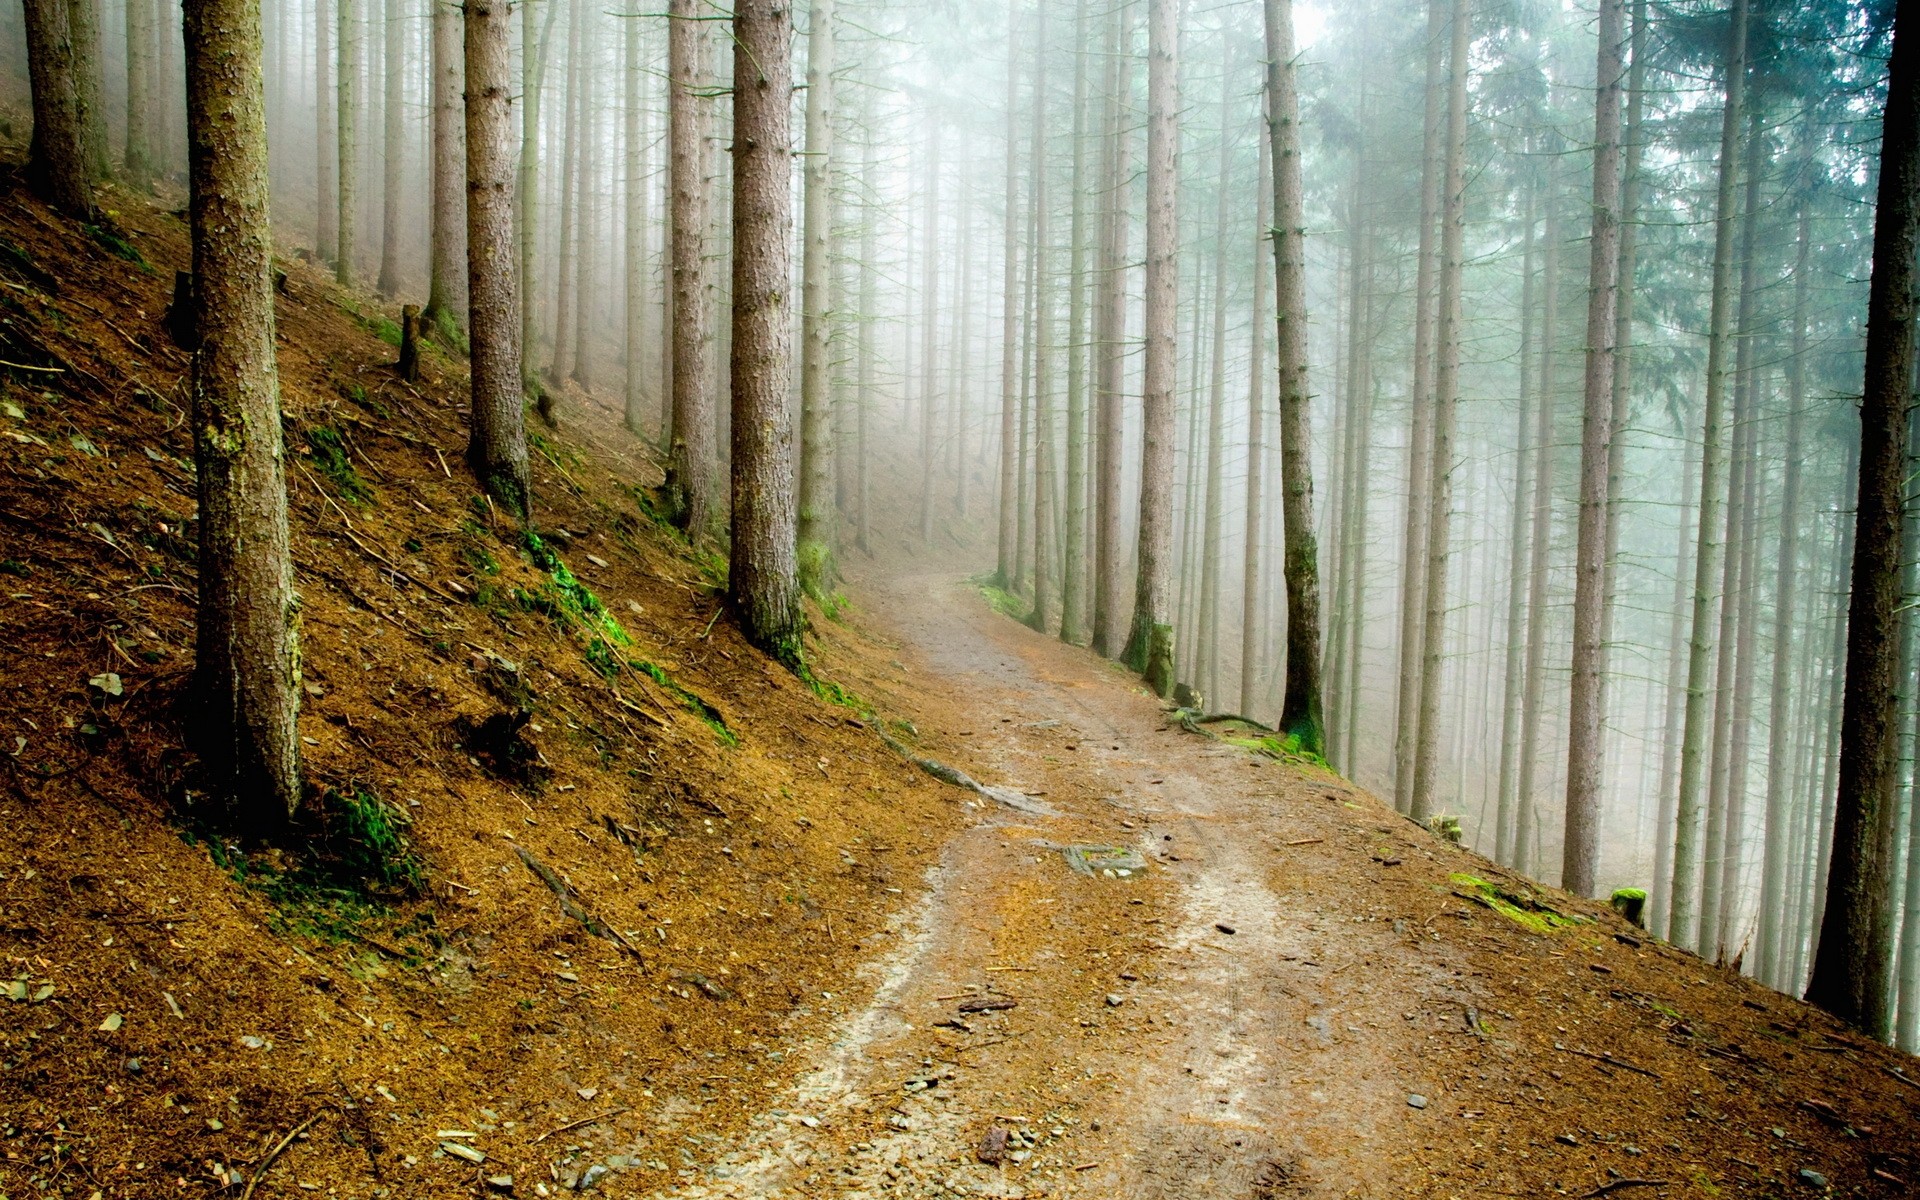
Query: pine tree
(445, 293)
(818, 569)
(57, 162)
(692, 482)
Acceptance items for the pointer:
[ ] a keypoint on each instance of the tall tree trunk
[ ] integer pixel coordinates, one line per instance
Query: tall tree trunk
(1517, 556)
(326, 171)
(929, 330)
(586, 238)
(818, 569)
(1074, 528)
(57, 160)
(1149, 648)
(1008, 539)
(393, 156)
(1206, 641)
(138, 159)
(1852, 973)
(247, 666)
(1659, 903)
(497, 447)
(1250, 581)
(1687, 865)
(445, 295)
(633, 330)
(533, 76)
(1420, 430)
(1040, 270)
(692, 480)
(1446, 396)
(1526, 809)
(83, 20)
(1580, 859)
(761, 577)
(560, 365)
(1111, 327)
(869, 301)
(1300, 707)
(348, 123)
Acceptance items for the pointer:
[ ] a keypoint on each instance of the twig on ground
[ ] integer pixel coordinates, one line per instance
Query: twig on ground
(1618, 1184)
(594, 1119)
(260, 1171)
(1609, 1059)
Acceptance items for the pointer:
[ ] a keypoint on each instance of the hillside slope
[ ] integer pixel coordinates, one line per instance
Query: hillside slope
(189, 1001)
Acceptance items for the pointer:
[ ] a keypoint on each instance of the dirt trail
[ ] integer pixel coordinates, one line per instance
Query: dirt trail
(1245, 1022)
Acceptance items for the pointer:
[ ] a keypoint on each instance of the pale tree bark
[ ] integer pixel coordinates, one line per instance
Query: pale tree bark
(1852, 972)
(1250, 581)
(1684, 915)
(533, 75)
(393, 156)
(247, 664)
(1149, 648)
(326, 169)
(1073, 540)
(347, 121)
(445, 291)
(1040, 271)
(560, 364)
(1111, 325)
(762, 581)
(497, 441)
(1007, 523)
(1212, 468)
(929, 328)
(138, 160)
(1517, 556)
(84, 25)
(1446, 397)
(1580, 859)
(57, 160)
(692, 480)
(1547, 389)
(1732, 856)
(818, 569)
(1353, 527)
(1420, 432)
(865, 351)
(1300, 706)
(586, 238)
(1659, 902)
(634, 340)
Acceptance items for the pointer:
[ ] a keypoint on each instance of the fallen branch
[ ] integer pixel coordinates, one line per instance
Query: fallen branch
(572, 908)
(260, 1171)
(1609, 1059)
(1909, 1080)
(592, 1120)
(1618, 1184)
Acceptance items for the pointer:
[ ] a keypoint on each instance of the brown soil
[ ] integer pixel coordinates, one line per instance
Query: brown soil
(798, 919)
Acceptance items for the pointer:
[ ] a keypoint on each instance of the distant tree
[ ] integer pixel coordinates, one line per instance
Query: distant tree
(1853, 969)
(247, 666)
(348, 123)
(57, 159)
(762, 580)
(497, 441)
(393, 156)
(692, 481)
(445, 286)
(818, 567)
(1149, 647)
(326, 166)
(138, 160)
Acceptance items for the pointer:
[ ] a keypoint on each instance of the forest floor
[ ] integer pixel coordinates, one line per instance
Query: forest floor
(784, 959)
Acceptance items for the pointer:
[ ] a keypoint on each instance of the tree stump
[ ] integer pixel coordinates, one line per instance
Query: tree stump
(409, 364)
(1631, 903)
(179, 319)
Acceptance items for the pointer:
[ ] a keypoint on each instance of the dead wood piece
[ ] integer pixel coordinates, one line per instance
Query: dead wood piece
(981, 1004)
(260, 1171)
(1609, 1059)
(583, 1121)
(572, 907)
(1620, 1184)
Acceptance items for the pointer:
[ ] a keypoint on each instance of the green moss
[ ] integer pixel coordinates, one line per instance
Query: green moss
(1004, 602)
(386, 329)
(834, 692)
(329, 451)
(692, 702)
(1521, 907)
(358, 394)
(110, 240)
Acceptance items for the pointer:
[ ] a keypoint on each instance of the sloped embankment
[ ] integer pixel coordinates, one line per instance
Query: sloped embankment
(492, 717)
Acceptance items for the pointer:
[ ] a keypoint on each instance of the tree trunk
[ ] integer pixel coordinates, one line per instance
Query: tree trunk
(138, 160)
(1073, 574)
(929, 330)
(1008, 536)
(634, 340)
(497, 447)
(326, 171)
(1684, 916)
(533, 75)
(57, 161)
(1659, 903)
(393, 156)
(348, 123)
(1250, 580)
(1420, 432)
(1041, 272)
(1111, 328)
(445, 295)
(1518, 610)
(247, 666)
(866, 353)
(1300, 707)
(560, 365)
(586, 238)
(1446, 396)
(1206, 641)
(1852, 973)
(761, 577)
(1526, 811)
(818, 569)
(1580, 859)
(692, 479)
(83, 27)
(1149, 648)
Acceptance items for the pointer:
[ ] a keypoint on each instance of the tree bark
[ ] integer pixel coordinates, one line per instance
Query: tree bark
(1518, 609)
(1110, 318)
(445, 293)
(1852, 973)
(1420, 432)
(692, 480)
(1300, 705)
(1446, 397)
(1007, 524)
(634, 340)
(247, 667)
(761, 579)
(1580, 857)
(1250, 581)
(929, 329)
(497, 444)
(533, 75)
(560, 364)
(1206, 641)
(1149, 648)
(1040, 270)
(138, 160)
(393, 156)
(1684, 916)
(347, 121)
(818, 569)
(57, 160)
(1526, 811)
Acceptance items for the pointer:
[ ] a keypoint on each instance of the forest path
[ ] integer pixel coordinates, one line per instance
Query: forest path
(1241, 1022)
